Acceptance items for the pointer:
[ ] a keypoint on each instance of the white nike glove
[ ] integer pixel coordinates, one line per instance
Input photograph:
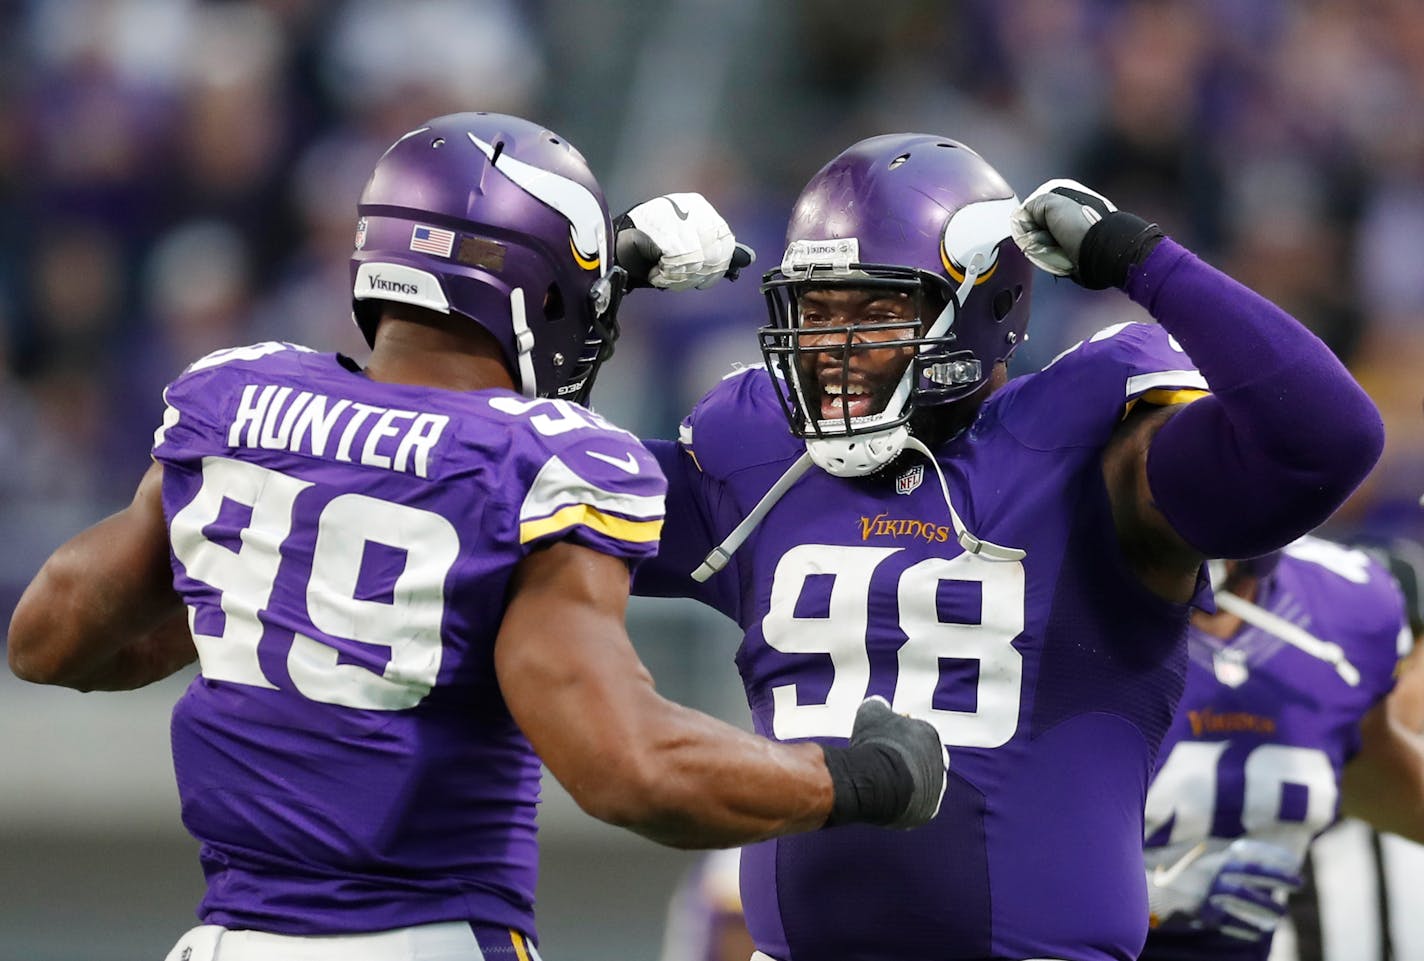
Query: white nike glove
(685, 243)
(1071, 231)
(1248, 895)
(1049, 226)
(1240, 891)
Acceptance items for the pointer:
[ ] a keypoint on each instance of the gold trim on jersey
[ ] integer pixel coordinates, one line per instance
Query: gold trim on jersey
(575, 515)
(1166, 397)
(557, 486)
(517, 940)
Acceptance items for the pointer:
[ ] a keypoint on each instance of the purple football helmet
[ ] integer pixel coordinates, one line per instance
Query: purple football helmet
(498, 220)
(908, 212)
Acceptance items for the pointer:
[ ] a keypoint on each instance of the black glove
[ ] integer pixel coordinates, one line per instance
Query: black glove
(1071, 231)
(893, 773)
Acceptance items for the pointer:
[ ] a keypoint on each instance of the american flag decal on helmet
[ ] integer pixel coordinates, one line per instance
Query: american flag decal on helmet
(910, 479)
(432, 240)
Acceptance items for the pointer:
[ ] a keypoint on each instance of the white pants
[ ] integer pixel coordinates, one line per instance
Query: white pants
(445, 941)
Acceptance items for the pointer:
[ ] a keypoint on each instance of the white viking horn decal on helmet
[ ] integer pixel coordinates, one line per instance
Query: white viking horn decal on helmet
(578, 206)
(972, 235)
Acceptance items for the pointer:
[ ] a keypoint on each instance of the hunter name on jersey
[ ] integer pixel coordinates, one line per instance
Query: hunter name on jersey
(351, 614)
(303, 422)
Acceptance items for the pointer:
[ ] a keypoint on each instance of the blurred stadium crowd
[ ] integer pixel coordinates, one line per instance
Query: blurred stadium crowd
(181, 175)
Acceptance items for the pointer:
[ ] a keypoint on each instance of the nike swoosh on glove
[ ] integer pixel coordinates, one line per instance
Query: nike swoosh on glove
(685, 243)
(1049, 226)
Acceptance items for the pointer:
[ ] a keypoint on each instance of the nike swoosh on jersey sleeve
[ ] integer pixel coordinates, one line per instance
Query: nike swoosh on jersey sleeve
(628, 464)
(561, 501)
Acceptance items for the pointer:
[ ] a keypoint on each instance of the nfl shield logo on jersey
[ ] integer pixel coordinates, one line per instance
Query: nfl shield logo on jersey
(1230, 667)
(910, 479)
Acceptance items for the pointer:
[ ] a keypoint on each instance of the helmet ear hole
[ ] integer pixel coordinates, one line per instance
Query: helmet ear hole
(1004, 302)
(553, 303)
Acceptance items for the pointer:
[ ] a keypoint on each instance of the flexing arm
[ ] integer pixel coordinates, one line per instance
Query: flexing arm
(1286, 434)
(102, 614)
(630, 757)
(1384, 783)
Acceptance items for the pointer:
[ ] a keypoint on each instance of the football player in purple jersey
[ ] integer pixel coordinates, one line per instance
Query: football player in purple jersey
(705, 920)
(402, 581)
(1360, 896)
(1293, 715)
(1014, 561)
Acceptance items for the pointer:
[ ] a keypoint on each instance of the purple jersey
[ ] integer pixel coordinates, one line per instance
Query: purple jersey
(1051, 678)
(344, 547)
(1264, 729)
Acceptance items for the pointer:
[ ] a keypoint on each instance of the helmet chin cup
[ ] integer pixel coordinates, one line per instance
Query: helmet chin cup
(858, 455)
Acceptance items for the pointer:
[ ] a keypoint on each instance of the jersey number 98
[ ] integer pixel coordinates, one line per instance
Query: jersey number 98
(842, 634)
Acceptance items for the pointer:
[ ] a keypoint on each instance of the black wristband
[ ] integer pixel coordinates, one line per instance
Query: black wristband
(1112, 246)
(870, 784)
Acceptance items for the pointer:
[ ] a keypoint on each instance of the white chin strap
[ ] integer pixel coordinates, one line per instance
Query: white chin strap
(858, 455)
(863, 454)
(723, 552)
(1278, 627)
(967, 540)
(1290, 632)
(523, 343)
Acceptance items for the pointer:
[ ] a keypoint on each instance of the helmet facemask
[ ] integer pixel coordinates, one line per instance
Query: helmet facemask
(817, 361)
(604, 300)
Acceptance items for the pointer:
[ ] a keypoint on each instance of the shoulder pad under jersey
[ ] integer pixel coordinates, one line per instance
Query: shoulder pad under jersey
(1352, 601)
(1082, 394)
(193, 402)
(738, 424)
(582, 478)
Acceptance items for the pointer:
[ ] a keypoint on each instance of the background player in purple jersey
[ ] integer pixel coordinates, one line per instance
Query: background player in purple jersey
(1014, 561)
(705, 921)
(402, 581)
(1360, 886)
(1291, 717)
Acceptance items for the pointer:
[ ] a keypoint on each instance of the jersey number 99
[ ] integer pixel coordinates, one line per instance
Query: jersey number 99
(401, 637)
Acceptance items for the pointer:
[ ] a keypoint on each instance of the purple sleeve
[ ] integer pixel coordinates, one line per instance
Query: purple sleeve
(600, 489)
(687, 536)
(1287, 432)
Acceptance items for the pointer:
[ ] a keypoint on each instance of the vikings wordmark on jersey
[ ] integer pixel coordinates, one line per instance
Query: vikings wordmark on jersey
(1036, 669)
(344, 548)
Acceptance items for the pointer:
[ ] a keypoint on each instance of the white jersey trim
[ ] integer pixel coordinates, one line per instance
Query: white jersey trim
(557, 486)
(1139, 384)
